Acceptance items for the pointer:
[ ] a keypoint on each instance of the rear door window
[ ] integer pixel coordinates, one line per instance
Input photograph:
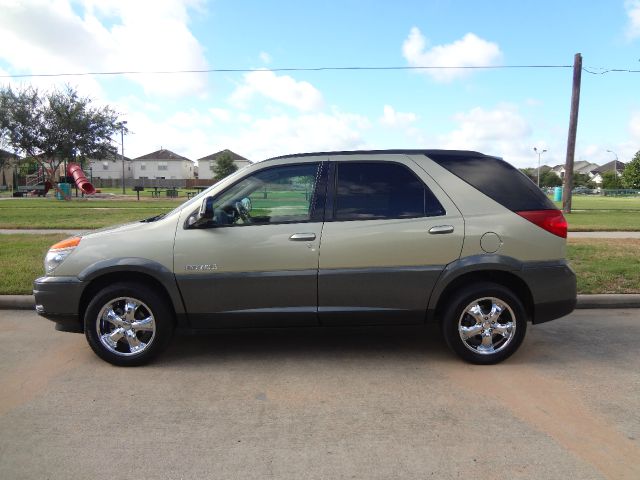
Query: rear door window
(381, 190)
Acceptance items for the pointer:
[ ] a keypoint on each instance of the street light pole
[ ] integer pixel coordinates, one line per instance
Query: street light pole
(539, 152)
(122, 146)
(615, 166)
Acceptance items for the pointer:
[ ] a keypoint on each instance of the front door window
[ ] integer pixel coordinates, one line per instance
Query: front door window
(275, 195)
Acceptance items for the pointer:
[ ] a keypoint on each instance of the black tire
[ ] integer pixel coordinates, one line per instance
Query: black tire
(458, 322)
(148, 310)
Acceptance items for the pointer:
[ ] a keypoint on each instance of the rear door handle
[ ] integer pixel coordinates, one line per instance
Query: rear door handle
(441, 229)
(302, 237)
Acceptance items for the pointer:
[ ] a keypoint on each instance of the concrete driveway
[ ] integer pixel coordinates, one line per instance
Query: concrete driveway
(367, 404)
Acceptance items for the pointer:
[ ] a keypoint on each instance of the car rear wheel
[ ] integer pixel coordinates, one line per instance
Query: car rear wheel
(484, 323)
(127, 324)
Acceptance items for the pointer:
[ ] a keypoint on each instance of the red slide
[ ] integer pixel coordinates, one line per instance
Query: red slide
(82, 182)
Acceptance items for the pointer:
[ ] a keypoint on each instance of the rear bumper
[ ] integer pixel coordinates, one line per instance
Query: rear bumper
(553, 289)
(58, 300)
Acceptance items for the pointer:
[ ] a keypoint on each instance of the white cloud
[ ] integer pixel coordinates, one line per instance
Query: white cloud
(634, 127)
(197, 132)
(282, 89)
(469, 51)
(111, 35)
(392, 118)
(220, 114)
(265, 57)
(281, 134)
(633, 12)
(502, 131)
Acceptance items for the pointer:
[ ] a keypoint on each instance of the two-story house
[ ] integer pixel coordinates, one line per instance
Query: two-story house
(163, 164)
(111, 168)
(206, 165)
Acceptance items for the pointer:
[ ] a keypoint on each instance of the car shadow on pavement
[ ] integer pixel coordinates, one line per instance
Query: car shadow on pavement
(310, 344)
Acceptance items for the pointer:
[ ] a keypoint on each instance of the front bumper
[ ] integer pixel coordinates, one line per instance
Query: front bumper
(58, 300)
(553, 289)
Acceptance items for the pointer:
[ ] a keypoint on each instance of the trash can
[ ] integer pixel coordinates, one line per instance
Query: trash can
(65, 188)
(557, 194)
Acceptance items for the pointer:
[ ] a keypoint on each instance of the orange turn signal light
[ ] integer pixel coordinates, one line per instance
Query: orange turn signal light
(68, 243)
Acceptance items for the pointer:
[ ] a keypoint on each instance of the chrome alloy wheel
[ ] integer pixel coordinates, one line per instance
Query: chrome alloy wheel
(487, 325)
(126, 326)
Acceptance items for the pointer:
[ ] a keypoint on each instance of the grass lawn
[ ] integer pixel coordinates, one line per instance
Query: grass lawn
(606, 265)
(602, 265)
(597, 202)
(50, 213)
(603, 221)
(592, 213)
(21, 261)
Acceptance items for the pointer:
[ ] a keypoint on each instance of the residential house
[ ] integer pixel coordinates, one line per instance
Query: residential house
(613, 165)
(581, 166)
(163, 164)
(110, 167)
(206, 165)
(8, 162)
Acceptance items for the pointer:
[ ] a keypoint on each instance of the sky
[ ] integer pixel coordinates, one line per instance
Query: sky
(263, 113)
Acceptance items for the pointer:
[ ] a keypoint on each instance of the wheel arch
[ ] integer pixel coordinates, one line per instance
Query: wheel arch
(139, 271)
(502, 272)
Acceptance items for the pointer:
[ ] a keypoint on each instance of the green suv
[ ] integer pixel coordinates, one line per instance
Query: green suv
(393, 237)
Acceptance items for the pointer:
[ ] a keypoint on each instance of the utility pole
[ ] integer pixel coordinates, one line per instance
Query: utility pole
(573, 129)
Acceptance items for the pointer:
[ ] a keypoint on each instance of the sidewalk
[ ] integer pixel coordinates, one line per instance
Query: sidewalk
(27, 302)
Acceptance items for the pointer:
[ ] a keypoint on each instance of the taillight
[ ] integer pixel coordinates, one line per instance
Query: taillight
(550, 220)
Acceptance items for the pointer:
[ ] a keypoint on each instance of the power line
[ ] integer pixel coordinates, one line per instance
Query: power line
(601, 71)
(604, 71)
(293, 69)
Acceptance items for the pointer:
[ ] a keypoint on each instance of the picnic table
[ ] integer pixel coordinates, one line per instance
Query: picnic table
(197, 189)
(171, 192)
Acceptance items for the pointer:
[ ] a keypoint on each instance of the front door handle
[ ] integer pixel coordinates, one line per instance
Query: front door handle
(441, 229)
(302, 237)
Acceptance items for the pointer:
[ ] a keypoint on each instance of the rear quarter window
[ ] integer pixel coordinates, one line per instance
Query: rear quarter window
(497, 179)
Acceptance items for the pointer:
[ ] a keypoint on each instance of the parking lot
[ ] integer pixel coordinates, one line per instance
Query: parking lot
(371, 403)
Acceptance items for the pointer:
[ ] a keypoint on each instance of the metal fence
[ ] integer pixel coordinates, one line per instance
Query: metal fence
(151, 182)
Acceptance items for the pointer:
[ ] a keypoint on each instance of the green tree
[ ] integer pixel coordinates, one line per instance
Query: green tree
(56, 126)
(531, 173)
(550, 179)
(610, 180)
(631, 174)
(224, 166)
(583, 180)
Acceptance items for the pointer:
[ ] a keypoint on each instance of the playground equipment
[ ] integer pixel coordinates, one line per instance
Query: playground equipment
(82, 182)
(36, 185)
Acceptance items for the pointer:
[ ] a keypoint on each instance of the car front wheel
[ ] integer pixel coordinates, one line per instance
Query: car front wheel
(127, 324)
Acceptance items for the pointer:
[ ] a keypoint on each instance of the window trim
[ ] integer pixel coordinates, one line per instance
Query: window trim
(331, 203)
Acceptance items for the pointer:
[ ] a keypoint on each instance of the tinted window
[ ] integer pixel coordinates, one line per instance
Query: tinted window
(496, 179)
(381, 190)
(275, 195)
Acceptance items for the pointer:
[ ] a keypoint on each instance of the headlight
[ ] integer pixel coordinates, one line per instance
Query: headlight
(58, 252)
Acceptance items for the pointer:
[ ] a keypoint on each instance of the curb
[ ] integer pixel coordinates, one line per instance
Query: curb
(628, 300)
(27, 302)
(17, 302)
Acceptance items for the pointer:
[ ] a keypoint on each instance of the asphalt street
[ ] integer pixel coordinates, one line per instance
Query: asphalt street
(315, 404)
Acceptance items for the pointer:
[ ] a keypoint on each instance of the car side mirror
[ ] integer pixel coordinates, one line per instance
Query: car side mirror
(204, 213)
